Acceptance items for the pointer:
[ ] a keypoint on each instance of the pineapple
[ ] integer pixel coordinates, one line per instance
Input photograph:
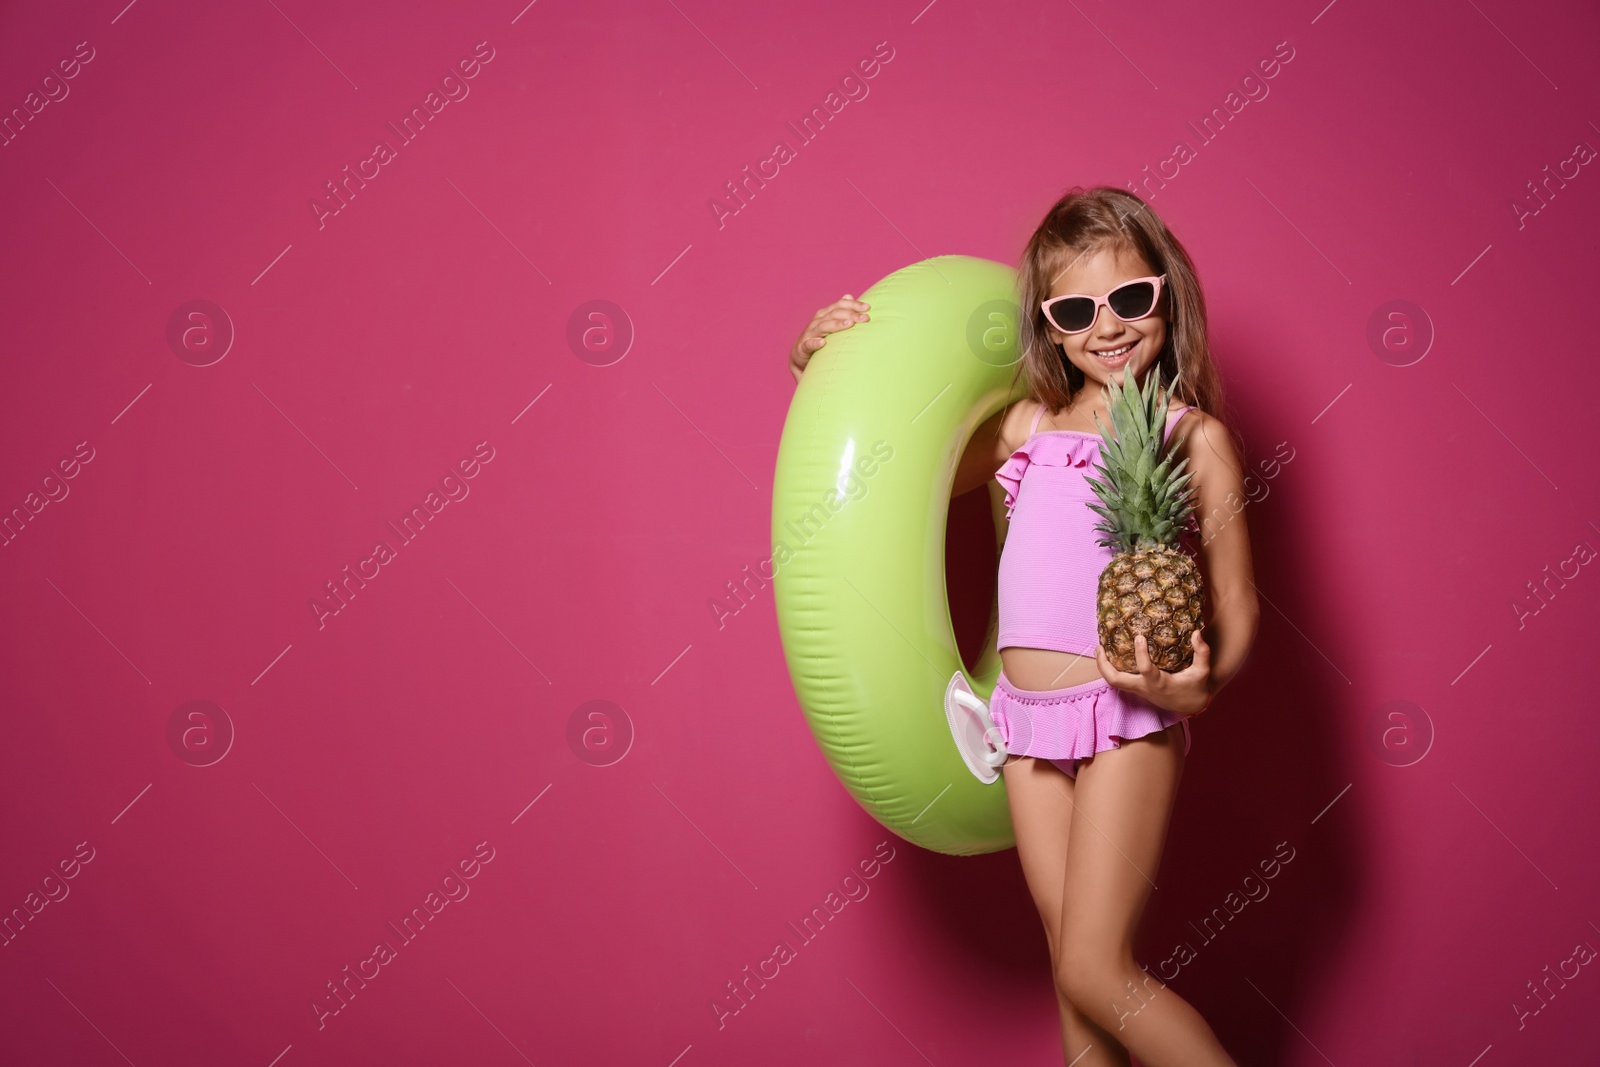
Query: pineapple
(1151, 586)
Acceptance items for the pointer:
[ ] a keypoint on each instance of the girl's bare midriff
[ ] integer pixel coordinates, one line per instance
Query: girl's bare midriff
(1041, 668)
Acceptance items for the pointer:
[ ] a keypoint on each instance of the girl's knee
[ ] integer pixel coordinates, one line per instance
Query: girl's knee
(1079, 979)
(1103, 986)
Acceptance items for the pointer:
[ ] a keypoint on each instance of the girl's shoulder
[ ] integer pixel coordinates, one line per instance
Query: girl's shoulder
(1192, 416)
(1207, 441)
(1195, 418)
(1017, 424)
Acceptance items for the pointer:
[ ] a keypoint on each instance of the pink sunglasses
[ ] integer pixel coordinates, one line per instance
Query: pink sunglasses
(1076, 312)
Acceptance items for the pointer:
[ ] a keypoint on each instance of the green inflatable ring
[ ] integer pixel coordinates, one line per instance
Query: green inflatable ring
(859, 507)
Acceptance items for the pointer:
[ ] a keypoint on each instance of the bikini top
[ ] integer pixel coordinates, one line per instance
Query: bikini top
(1050, 566)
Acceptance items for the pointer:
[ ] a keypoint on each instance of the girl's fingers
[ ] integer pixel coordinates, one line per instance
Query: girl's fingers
(1118, 677)
(842, 313)
(1141, 658)
(833, 324)
(812, 339)
(847, 316)
(841, 307)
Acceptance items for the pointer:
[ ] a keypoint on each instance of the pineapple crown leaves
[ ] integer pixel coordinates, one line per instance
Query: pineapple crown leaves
(1144, 497)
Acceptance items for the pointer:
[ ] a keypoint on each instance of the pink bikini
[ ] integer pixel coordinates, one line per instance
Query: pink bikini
(1049, 576)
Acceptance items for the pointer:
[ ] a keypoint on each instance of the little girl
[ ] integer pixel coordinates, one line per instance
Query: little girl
(1107, 292)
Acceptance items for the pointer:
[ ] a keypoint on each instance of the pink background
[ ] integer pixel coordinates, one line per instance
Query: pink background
(372, 754)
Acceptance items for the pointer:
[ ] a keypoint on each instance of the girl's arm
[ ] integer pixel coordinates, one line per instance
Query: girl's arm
(991, 445)
(1230, 584)
(1224, 547)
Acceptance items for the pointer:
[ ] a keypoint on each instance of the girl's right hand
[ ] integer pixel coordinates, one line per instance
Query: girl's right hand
(841, 314)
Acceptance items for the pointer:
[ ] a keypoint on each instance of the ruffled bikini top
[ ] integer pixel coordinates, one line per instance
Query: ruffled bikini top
(1050, 566)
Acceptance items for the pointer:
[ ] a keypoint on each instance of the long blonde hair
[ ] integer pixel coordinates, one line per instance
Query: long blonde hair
(1107, 218)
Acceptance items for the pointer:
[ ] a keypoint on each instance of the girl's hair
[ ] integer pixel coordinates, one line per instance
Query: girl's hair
(1110, 219)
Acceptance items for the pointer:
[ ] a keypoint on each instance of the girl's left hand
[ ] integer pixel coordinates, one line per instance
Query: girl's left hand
(1186, 692)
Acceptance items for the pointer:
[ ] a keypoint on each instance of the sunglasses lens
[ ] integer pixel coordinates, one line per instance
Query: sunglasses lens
(1134, 300)
(1072, 314)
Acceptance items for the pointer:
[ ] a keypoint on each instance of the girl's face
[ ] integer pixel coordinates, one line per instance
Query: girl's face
(1110, 345)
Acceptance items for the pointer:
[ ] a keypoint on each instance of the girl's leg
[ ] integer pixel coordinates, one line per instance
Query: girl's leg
(1121, 805)
(1041, 813)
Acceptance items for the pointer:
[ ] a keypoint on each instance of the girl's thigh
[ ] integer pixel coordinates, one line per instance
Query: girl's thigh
(1041, 815)
(1122, 805)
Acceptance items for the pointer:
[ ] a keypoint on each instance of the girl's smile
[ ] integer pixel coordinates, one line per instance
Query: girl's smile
(1112, 358)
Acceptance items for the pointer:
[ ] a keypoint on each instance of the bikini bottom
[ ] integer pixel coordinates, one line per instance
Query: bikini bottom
(1072, 724)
